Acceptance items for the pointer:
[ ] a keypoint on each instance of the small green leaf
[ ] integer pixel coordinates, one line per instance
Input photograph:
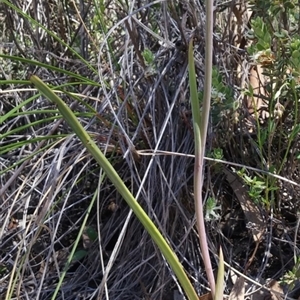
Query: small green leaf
(91, 233)
(289, 5)
(279, 34)
(148, 57)
(262, 46)
(296, 54)
(78, 255)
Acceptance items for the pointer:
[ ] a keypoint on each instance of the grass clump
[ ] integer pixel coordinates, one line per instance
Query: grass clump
(124, 74)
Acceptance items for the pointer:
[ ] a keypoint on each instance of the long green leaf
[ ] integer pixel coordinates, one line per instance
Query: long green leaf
(162, 244)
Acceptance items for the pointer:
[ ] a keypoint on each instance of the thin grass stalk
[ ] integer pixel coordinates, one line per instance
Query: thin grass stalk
(78, 238)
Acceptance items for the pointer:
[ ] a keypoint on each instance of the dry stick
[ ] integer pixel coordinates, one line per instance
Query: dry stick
(199, 157)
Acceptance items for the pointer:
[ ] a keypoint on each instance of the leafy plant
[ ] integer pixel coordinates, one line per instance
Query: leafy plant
(256, 186)
(274, 46)
(211, 209)
(222, 99)
(149, 59)
(291, 277)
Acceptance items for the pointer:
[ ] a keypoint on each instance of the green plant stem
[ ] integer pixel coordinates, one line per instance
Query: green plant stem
(200, 131)
(205, 113)
(198, 171)
(111, 173)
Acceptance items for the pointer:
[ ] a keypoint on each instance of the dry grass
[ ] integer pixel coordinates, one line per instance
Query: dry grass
(48, 180)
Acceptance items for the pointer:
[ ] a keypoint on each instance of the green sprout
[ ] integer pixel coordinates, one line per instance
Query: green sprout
(148, 57)
(149, 62)
(211, 209)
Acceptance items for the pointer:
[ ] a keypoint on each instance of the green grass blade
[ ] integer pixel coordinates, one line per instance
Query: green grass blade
(220, 278)
(76, 243)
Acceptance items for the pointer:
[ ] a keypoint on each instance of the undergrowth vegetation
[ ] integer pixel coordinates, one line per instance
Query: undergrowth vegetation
(122, 68)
